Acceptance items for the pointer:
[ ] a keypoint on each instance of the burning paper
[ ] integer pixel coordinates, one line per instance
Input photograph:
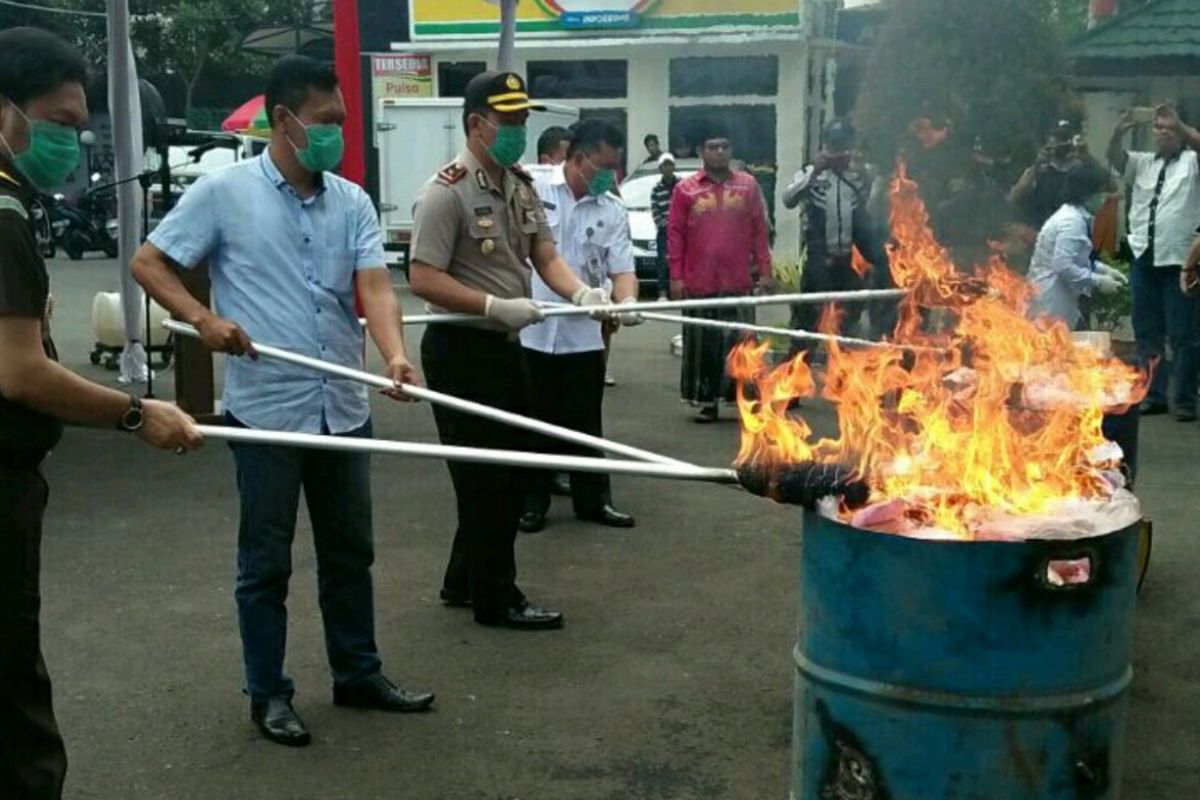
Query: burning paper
(995, 420)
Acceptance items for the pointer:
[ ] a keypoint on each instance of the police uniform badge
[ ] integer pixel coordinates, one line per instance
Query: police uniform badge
(488, 246)
(484, 217)
(513, 83)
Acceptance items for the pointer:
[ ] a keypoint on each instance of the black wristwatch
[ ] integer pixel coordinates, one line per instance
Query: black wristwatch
(133, 419)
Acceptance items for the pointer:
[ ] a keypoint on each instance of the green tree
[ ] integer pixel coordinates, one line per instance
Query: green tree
(190, 37)
(86, 30)
(992, 70)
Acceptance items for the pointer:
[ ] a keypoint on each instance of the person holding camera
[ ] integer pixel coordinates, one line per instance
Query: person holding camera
(1042, 188)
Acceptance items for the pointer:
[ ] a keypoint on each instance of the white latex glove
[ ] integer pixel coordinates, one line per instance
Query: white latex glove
(585, 297)
(513, 314)
(1112, 272)
(1106, 284)
(629, 318)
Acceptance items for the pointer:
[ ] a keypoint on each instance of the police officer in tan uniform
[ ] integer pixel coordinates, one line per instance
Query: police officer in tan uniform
(478, 227)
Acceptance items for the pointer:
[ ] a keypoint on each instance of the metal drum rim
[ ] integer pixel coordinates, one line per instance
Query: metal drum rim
(1130, 529)
(1006, 705)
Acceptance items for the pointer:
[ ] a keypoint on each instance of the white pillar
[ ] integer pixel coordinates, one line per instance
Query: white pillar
(791, 139)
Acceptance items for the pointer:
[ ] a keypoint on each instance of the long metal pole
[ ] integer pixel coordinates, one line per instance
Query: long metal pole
(450, 401)
(508, 35)
(793, 334)
(473, 455)
(555, 310)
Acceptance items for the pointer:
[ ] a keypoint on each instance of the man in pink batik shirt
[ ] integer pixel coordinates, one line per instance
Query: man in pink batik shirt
(717, 246)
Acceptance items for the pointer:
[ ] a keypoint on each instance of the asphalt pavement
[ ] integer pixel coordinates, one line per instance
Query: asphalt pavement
(671, 681)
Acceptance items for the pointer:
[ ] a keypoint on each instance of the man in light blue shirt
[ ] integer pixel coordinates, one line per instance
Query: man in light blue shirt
(565, 355)
(287, 244)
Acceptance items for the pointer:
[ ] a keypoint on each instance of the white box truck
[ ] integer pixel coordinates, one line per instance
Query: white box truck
(416, 138)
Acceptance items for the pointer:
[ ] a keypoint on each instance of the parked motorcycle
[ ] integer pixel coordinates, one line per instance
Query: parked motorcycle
(42, 226)
(87, 224)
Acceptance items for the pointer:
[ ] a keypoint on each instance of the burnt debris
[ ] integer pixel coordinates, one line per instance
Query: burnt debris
(804, 484)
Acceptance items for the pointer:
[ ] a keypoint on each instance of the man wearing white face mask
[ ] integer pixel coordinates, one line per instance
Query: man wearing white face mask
(287, 244)
(564, 355)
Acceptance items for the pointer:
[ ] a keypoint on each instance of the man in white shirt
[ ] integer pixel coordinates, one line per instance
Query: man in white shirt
(1163, 213)
(565, 355)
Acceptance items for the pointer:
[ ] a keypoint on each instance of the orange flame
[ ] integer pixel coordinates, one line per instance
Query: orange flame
(858, 263)
(990, 410)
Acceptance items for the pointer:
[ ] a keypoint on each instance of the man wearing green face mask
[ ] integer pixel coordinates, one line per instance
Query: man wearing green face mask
(287, 244)
(42, 105)
(478, 227)
(565, 355)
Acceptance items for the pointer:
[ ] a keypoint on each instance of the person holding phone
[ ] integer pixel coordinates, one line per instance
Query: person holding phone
(834, 193)
(1163, 210)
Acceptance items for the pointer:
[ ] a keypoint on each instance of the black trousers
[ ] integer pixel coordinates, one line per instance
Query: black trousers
(32, 759)
(835, 274)
(568, 390)
(486, 367)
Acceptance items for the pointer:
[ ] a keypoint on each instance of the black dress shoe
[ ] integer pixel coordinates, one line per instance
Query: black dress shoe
(279, 722)
(531, 522)
(609, 516)
(526, 618)
(380, 694)
(1152, 409)
(455, 599)
(707, 414)
(1186, 415)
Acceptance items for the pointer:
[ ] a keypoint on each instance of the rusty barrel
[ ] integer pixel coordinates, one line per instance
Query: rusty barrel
(931, 670)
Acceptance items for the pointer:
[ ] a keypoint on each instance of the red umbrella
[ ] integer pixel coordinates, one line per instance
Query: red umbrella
(248, 116)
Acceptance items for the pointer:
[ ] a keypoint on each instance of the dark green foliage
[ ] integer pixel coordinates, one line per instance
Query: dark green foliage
(994, 73)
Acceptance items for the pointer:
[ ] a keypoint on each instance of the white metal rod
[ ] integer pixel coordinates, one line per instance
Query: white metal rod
(450, 401)
(556, 310)
(768, 331)
(472, 455)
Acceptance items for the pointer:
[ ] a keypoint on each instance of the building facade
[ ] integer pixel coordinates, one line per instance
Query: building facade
(654, 67)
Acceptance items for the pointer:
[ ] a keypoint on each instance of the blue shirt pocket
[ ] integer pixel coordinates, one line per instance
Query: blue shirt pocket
(336, 270)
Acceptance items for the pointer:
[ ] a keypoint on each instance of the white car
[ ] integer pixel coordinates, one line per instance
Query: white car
(636, 191)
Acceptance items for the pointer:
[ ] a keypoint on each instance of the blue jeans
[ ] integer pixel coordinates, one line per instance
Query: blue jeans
(1162, 311)
(337, 489)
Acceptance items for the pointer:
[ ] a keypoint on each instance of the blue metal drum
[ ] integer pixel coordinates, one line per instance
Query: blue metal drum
(929, 670)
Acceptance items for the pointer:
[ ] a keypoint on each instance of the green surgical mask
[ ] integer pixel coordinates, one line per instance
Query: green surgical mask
(326, 146)
(602, 181)
(510, 143)
(52, 155)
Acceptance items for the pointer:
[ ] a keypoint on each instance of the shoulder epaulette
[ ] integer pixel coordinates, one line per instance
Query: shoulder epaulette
(451, 174)
(521, 173)
(5, 178)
